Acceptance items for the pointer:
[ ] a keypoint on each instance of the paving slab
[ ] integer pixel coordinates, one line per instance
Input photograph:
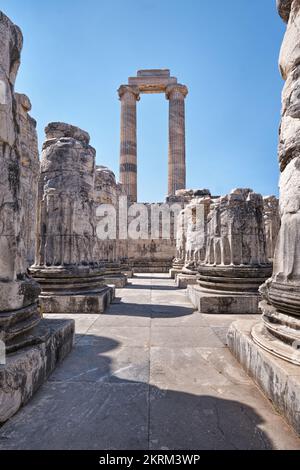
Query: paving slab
(184, 336)
(189, 367)
(213, 419)
(73, 415)
(90, 363)
(149, 373)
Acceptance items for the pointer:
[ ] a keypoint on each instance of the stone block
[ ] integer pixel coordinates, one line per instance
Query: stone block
(174, 272)
(279, 380)
(86, 303)
(245, 303)
(27, 369)
(117, 280)
(184, 280)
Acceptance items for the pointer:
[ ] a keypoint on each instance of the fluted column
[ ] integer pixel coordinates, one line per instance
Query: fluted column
(176, 164)
(71, 278)
(19, 311)
(129, 95)
(279, 331)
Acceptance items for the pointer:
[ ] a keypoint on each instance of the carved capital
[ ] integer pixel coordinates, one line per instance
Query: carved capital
(176, 89)
(129, 89)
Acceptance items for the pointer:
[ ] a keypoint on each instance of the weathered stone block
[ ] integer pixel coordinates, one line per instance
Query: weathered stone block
(279, 380)
(184, 280)
(236, 303)
(27, 369)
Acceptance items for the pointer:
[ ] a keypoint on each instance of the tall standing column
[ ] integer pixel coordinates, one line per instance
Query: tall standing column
(176, 165)
(129, 95)
(279, 332)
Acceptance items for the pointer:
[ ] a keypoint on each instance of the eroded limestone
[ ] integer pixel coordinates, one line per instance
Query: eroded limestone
(71, 279)
(236, 261)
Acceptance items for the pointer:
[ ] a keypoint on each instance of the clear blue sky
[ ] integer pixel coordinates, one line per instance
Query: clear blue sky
(78, 52)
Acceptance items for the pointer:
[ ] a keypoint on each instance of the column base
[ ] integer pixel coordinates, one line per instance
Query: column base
(75, 303)
(117, 280)
(72, 289)
(173, 272)
(184, 280)
(279, 380)
(27, 369)
(227, 303)
(278, 333)
(114, 276)
(128, 273)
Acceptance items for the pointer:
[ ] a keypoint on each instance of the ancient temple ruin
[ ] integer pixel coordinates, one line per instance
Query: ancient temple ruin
(68, 252)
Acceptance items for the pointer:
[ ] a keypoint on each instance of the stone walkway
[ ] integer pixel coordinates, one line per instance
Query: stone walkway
(149, 374)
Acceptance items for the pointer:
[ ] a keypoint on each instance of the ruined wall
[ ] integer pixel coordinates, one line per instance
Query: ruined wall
(154, 253)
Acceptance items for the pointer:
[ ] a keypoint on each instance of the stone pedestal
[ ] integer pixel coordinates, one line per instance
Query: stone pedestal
(114, 276)
(279, 380)
(72, 281)
(76, 289)
(232, 290)
(236, 263)
(28, 368)
(176, 269)
(183, 280)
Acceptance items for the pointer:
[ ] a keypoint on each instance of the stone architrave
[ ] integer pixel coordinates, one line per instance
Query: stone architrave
(236, 263)
(32, 345)
(272, 223)
(106, 251)
(72, 281)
